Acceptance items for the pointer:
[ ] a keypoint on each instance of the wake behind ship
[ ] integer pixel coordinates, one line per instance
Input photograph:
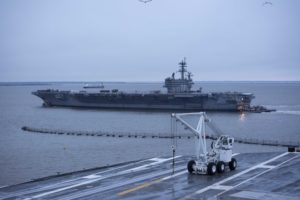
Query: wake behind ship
(179, 96)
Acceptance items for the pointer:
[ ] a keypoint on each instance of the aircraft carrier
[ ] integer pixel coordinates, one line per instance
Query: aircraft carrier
(268, 176)
(179, 96)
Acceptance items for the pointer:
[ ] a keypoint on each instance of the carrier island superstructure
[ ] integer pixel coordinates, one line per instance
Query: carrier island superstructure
(179, 96)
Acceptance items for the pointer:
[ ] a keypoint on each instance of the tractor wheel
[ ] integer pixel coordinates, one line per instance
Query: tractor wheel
(190, 166)
(221, 167)
(211, 168)
(232, 164)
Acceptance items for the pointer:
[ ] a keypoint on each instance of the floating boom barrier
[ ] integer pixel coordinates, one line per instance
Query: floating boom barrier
(159, 135)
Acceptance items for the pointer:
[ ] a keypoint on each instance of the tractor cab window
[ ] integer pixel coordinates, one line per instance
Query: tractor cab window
(225, 142)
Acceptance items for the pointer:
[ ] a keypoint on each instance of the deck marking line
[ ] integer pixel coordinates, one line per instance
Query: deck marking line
(95, 190)
(100, 178)
(150, 164)
(62, 189)
(56, 185)
(234, 176)
(144, 185)
(268, 166)
(71, 181)
(92, 176)
(256, 175)
(262, 195)
(240, 173)
(222, 187)
(98, 173)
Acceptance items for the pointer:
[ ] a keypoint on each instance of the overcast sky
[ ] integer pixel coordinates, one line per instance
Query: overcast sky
(127, 40)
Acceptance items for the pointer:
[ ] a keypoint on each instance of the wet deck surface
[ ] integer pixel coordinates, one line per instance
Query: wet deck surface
(258, 176)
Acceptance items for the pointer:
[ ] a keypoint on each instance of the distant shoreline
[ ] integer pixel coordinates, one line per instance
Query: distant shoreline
(23, 83)
(127, 82)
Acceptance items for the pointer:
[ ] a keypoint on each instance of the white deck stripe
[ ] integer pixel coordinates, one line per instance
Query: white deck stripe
(140, 168)
(149, 165)
(71, 181)
(222, 187)
(82, 194)
(174, 175)
(257, 175)
(241, 173)
(109, 170)
(262, 195)
(268, 166)
(218, 184)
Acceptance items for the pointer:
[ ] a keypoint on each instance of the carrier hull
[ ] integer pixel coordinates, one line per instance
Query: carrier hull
(195, 102)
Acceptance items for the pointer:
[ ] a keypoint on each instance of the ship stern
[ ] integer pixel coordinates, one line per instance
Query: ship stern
(244, 102)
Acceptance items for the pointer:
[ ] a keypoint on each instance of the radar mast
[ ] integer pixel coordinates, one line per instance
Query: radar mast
(182, 69)
(182, 84)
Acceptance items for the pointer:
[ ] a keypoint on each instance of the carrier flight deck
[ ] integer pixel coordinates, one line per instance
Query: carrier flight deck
(273, 176)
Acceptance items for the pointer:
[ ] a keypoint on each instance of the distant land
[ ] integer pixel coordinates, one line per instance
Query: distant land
(124, 82)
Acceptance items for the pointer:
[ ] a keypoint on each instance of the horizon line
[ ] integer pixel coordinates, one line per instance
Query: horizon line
(146, 81)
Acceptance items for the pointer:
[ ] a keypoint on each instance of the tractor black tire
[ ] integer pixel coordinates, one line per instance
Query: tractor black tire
(221, 167)
(211, 168)
(232, 164)
(190, 166)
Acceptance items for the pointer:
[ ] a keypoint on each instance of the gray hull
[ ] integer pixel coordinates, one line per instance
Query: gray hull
(198, 101)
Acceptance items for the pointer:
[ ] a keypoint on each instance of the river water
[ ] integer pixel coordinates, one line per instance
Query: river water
(25, 156)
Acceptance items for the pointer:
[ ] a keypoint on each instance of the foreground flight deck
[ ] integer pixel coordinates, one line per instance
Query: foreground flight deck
(258, 176)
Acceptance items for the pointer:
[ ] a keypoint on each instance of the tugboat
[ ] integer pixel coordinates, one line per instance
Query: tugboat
(88, 86)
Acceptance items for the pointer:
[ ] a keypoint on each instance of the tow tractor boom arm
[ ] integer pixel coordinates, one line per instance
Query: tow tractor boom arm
(199, 132)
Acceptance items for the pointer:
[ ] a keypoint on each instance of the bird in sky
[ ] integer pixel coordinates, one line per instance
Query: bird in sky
(145, 1)
(267, 3)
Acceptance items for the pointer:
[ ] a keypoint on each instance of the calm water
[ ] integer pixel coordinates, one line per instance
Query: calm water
(25, 156)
